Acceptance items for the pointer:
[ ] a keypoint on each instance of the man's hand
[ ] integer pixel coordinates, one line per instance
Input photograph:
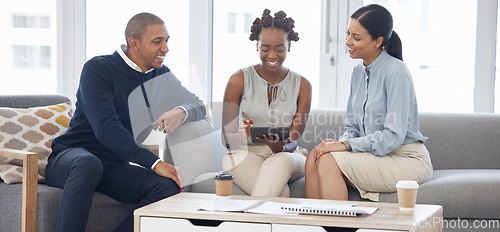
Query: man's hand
(170, 120)
(170, 171)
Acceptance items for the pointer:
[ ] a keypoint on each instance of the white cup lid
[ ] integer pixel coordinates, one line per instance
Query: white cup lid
(411, 184)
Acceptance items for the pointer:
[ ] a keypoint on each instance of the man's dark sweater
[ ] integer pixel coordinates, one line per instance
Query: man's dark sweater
(101, 123)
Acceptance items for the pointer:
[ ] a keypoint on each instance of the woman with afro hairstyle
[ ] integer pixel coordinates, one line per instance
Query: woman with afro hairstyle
(267, 94)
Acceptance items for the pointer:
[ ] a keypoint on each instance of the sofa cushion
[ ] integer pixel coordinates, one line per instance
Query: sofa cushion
(32, 100)
(322, 124)
(463, 193)
(105, 214)
(31, 130)
(462, 141)
(297, 188)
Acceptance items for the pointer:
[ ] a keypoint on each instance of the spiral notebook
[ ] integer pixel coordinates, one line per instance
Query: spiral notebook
(332, 210)
(270, 207)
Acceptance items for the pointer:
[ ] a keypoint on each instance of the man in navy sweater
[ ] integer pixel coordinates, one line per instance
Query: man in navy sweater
(94, 153)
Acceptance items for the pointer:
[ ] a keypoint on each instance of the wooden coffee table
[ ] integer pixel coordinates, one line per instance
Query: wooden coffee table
(180, 213)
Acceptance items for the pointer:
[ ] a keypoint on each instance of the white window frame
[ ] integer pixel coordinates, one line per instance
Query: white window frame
(335, 64)
(486, 36)
(70, 46)
(200, 45)
(71, 50)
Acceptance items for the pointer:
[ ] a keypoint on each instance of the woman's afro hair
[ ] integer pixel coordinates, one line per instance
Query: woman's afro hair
(279, 21)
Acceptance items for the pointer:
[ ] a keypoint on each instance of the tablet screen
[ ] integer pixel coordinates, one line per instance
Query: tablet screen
(283, 132)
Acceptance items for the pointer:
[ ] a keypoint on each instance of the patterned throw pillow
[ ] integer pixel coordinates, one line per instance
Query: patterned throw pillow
(33, 130)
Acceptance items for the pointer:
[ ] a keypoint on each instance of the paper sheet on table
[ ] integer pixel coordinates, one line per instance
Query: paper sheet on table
(230, 205)
(248, 206)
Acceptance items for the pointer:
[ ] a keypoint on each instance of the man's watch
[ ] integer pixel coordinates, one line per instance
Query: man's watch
(348, 148)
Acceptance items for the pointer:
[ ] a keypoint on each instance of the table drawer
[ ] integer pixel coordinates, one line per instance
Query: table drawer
(150, 224)
(302, 228)
(296, 228)
(368, 230)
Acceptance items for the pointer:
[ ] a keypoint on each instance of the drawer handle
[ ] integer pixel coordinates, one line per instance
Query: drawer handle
(210, 223)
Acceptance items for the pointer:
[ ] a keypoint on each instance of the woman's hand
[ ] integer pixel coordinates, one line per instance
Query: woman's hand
(244, 128)
(273, 142)
(327, 146)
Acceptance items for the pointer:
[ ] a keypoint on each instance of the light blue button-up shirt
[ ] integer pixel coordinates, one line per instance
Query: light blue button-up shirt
(382, 109)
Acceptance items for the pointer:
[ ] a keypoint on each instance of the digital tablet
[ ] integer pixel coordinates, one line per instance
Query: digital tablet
(283, 132)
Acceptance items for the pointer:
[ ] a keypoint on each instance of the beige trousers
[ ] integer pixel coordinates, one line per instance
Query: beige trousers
(259, 172)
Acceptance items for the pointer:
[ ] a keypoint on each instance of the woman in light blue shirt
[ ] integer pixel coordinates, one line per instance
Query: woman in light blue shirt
(382, 142)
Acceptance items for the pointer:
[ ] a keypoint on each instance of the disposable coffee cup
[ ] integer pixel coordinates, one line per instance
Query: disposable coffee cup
(407, 194)
(223, 184)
